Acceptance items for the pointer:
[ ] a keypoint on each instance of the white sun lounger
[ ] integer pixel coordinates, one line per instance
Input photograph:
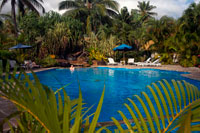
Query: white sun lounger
(112, 62)
(130, 61)
(142, 63)
(155, 63)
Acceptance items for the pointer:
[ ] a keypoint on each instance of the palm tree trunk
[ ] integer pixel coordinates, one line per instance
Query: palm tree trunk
(14, 17)
(88, 25)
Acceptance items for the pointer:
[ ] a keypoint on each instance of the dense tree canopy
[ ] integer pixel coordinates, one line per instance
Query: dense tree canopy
(91, 12)
(21, 6)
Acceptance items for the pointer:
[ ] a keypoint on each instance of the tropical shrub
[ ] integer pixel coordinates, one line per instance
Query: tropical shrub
(99, 46)
(166, 58)
(7, 38)
(5, 54)
(20, 58)
(48, 61)
(56, 39)
(94, 54)
(30, 27)
(186, 63)
(54, 31)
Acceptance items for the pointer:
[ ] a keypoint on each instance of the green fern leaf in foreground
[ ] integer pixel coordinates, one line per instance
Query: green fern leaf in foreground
(177, 106)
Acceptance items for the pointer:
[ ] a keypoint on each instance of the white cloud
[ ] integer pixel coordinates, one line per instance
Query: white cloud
(51, 5)
(196, 1)
(164, 7)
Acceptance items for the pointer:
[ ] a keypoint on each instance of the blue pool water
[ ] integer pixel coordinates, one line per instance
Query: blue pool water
(120, 84)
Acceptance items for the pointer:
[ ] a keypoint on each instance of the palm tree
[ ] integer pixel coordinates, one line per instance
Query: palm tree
(124, 15)
(21, 5)
(91, 9)
(102, 7)
(160, 30)
(145, 9)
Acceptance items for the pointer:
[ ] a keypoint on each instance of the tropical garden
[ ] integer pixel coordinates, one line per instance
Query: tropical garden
(95, 27)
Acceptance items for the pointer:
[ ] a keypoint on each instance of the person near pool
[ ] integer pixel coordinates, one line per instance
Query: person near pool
(71, 68)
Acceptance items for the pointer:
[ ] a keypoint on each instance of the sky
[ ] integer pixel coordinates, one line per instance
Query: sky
(172, 8)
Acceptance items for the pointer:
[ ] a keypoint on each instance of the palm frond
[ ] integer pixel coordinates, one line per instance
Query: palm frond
(112, 4)
(50, 113)
(67, 5)
(111, 13)
(181, 114)
(3, 3)
(33, 4)
(100, 9)
(38, 5)
(21, 7)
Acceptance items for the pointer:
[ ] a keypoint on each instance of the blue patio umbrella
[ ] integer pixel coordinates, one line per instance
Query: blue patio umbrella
(20, 46)
(123, 47)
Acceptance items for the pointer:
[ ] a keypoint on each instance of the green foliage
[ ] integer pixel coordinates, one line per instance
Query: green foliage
(20, 57)
(51, 33)
(5, 54)
(7, 38)
(56, 39)
(20, 5)
(167, 58)
(94, 54)
(48, 62)
(76, 33)
(181, 108)
(44, 111)
(181, 37)
(100, 46)
(186, 63)
(91, 13)
(62, 35)
(2, 17)
(30, 27)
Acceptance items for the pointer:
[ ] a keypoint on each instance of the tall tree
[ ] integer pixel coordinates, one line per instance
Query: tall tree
(21, 5)
(122, 27)
(124, 15)
(145, 9)
(90, 10)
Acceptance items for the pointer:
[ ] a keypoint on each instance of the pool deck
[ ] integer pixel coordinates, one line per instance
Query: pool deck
(6, 107)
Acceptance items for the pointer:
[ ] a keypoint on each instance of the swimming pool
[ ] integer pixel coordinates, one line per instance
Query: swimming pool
(120, 84)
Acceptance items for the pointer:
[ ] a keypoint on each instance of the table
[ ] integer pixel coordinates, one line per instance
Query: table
(122, 62)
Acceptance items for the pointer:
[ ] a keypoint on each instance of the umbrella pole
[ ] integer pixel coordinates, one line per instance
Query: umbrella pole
(123, 56)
